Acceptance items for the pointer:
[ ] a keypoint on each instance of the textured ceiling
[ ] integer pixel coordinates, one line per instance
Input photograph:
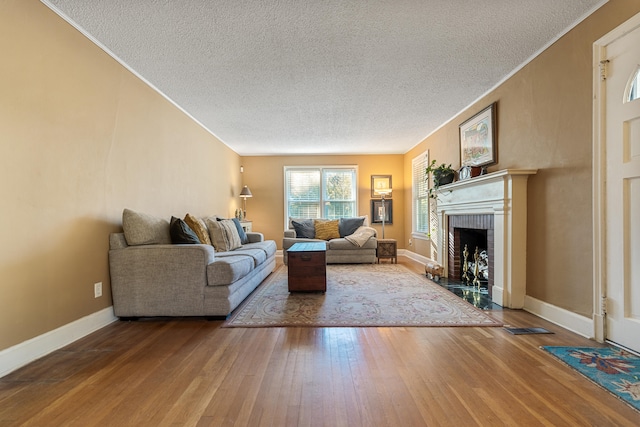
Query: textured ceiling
(323, 76)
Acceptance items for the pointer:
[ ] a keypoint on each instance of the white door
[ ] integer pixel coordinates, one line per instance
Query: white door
(622, 188)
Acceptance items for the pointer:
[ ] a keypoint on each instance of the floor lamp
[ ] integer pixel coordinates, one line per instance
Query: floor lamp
(383, 192)
(244, 194)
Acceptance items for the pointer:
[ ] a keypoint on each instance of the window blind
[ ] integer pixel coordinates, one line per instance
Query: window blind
(420, 193)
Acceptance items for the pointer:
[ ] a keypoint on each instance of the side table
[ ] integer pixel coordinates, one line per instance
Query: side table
(387, 249)
(246, 225)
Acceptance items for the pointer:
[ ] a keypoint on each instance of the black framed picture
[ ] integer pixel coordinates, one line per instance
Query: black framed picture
(378, 212)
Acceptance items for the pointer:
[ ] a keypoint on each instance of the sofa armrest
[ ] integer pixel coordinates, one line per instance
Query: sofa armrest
(254, 237)
(159, 280)
(291, 234)
(117, 241)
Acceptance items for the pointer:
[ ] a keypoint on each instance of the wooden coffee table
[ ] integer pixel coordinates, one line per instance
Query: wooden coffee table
(307, 264)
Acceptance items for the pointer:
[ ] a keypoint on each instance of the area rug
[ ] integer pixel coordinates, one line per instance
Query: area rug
(358, 295)
(614, 369)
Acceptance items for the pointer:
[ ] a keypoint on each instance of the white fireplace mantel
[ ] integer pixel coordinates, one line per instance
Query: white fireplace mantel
(504, 195)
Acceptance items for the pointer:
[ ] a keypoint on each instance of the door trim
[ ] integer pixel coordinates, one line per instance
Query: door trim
(599, 173)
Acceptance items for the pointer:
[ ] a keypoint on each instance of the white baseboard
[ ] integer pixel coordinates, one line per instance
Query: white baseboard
(414, 256)
(26, 352)
(574, 322)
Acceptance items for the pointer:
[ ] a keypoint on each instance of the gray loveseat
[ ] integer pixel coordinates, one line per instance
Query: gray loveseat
(150, 276)
(356, 242)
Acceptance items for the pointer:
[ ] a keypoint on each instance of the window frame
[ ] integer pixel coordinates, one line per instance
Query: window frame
(322, 191)
(419, 182)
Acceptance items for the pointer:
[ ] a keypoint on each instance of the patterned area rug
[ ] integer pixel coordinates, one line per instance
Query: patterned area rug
(613, 369)
(358, 295)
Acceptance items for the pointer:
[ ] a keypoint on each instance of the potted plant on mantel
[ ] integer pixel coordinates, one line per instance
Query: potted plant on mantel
(442, 175)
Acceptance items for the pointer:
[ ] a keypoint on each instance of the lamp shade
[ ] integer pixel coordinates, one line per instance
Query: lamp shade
(245, 192)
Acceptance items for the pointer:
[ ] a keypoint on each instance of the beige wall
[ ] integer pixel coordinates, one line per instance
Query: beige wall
(81, 139)
(265, 178)
(545, 122)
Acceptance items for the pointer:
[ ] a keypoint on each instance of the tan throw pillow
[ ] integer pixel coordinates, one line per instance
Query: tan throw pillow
(224, 234)
(144, 229)
(198, 226)
(326, 230)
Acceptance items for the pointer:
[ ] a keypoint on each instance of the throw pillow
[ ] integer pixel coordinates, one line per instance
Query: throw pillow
(326, 230)
(198, 227)
(348, 226)
(291, 219)
(181, 232)
(243, 236)
(143, 229)
(305, 229)
(224, 235)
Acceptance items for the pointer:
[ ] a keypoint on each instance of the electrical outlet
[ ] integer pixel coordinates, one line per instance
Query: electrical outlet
(410, 242)
(97, 290)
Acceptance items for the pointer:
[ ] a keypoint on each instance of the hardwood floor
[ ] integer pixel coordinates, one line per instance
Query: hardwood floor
(192, 372)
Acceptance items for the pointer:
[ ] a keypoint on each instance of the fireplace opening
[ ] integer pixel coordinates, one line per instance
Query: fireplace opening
(474, 232)
(474, 259)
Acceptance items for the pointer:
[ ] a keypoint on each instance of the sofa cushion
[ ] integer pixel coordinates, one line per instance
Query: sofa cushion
(257, 255)
(304, 228)
(326, 229)
(345, 244)
(228, 269)
(267, 246)
(144, 229)
(181, 233)
(198, 226)
(340, 244)
(349, 226)
(224, 235)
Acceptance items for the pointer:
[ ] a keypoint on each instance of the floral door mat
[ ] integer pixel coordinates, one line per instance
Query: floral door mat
(616, 370)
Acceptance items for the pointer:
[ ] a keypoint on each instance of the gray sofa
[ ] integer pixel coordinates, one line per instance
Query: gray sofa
(159, 278)
(340, 250)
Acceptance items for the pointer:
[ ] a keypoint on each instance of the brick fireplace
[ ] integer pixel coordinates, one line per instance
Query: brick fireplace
(496, 204)
(476, 231)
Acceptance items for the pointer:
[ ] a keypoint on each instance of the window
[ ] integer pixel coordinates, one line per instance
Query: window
(420, 194)
(633, 87)
(320, 192)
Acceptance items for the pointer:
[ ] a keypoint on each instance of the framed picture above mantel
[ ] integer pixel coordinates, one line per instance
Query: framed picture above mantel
(478, 139)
